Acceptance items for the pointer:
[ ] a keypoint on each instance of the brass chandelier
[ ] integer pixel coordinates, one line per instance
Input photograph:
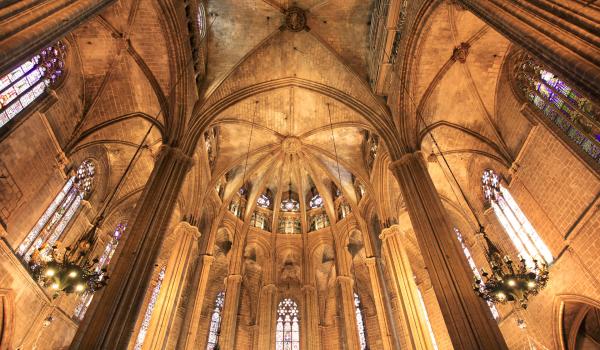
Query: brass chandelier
(508, 280)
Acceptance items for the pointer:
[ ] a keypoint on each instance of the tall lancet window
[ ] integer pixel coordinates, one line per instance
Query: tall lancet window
(215, 322)
(139, 341)
(360, 323)
(474, 269)
(103, 261)
(287, 331)
(61, 211)
(520, 231)
(28, 81)
(429, 327)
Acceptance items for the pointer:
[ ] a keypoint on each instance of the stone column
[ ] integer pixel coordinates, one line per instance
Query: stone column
(565, 36)
(386, 340)
(310, 318)
(110, 320)
(28, 26)
(178, 265)
(233, 286)
(403, 283)
(467, 317)
(189, 331)
(266, 314)
(348, 313)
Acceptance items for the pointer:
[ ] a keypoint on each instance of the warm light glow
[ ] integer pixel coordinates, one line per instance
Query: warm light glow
(531, 284)
(50, 272)
(73, 274)
(512, 283)
(501, 296)
(55, 286)
(79, 288)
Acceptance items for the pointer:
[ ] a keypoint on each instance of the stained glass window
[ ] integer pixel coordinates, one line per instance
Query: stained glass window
(260, 220)
(28, 81)
(316, 201)
(290, 224)
(290, 204)
(215, 322)
(103, 261)
(139, 341)
(577, 116)
(61, 211)
(263, 201)
(360, 323)
(520, 231)
(287, 329)
(318, 221)
(343, 210)
(474, 269)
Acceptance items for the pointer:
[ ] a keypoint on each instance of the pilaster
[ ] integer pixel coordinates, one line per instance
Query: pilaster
(310, 318)
(266, 313)
(386, 340)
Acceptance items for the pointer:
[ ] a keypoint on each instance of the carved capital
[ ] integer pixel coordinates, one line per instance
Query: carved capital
(175, 154)
(345, 280)
(390, 231)
(185, 227)
(371, 261)
(407, 157)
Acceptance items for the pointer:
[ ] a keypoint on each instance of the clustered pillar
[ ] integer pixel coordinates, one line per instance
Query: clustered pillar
(178, 265)
(112, 316)
(469, 321)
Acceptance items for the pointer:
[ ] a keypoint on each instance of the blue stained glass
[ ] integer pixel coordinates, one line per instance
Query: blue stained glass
(215, 323)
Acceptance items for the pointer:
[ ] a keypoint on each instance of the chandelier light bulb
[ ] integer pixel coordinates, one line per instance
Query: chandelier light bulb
(79, 288)
(531, 284)
(50, 272)
(501, 296)
(512, 283)
(55, 286)
(73, 274)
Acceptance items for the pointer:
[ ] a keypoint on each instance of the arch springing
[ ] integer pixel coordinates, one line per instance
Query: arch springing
(60, 213)
(22, 86)
(520, 231)
(287, 330)
(215, 322)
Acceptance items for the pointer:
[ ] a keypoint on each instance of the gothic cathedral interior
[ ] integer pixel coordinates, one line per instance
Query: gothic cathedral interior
(300, 174)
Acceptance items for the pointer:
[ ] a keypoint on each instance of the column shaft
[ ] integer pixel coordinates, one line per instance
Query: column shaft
(565, 36)
(178, 265)
(467, 317)
(189, 331)
(110, 320)
(348, 313)
(230, 312)
(404, 285)
(266, 314)
(382, 320)
(310, 318)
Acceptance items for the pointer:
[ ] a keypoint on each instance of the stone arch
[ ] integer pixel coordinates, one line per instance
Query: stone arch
(574, 319)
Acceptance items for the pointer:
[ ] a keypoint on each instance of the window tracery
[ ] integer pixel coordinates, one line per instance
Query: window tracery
(215, 322)
(60, 213)
(290, 224)
(319, 221)
(316, 201)
(576, 115)
(290, 205)
(473, 267)
(360, 322)
(260, 220)
(139, 341)
(520, 231)
(103, 261)
(287, 329)
(22, 86)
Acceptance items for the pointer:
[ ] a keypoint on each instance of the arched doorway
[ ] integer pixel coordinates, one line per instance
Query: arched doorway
(579, 324)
